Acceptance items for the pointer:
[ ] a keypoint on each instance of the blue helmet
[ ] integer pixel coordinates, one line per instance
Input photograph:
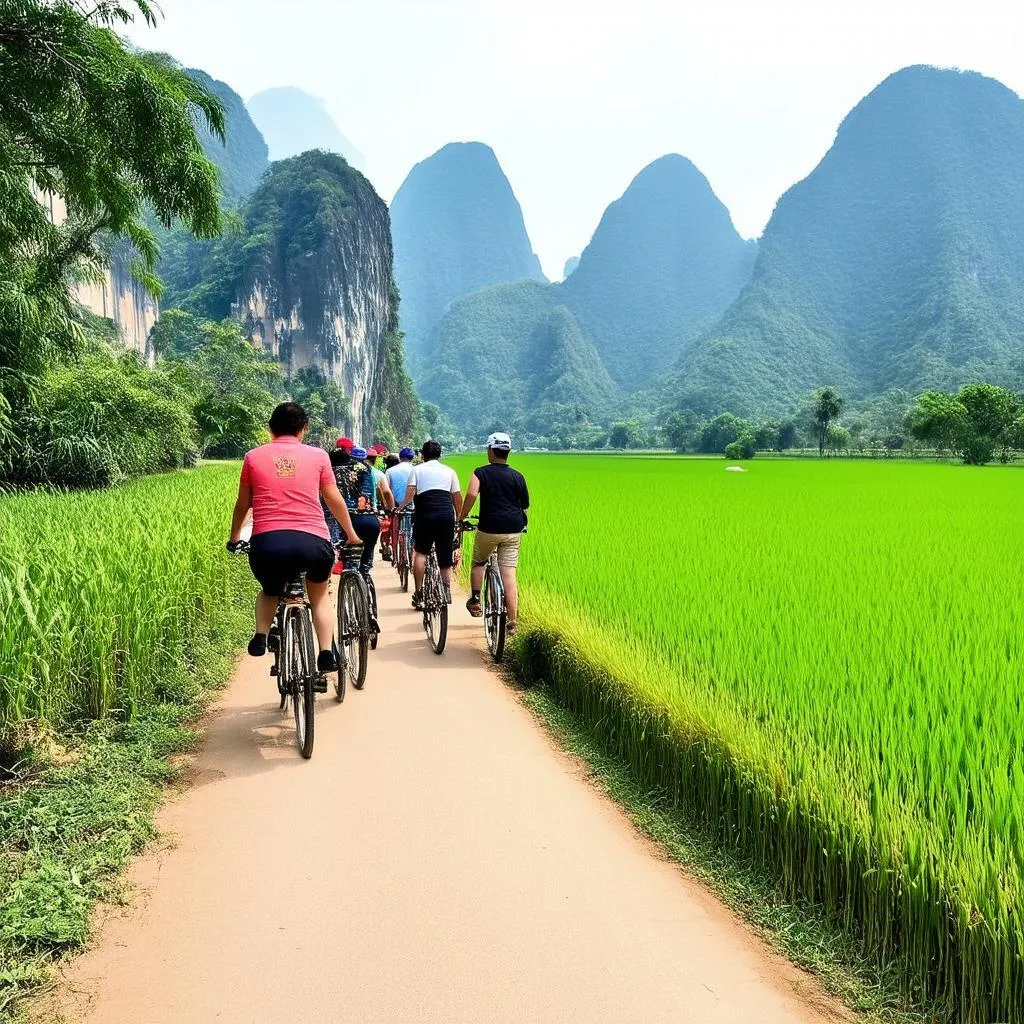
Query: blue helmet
(358, 454)
(406, 453)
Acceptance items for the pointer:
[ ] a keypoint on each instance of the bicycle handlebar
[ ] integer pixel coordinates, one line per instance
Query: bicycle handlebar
(239, 547)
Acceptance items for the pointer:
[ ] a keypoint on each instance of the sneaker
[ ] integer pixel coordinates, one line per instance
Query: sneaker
(327, 661)
(474, 607)
(417, 600)
(258, 645)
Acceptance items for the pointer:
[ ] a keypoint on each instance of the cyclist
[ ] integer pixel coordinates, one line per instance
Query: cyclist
(282, 483)
(504, 499)
(435, 489)
(398, 476)
(362, 490)
(374, 455)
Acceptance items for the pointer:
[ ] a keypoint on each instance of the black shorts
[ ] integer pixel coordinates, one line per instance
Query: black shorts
(438, 533)
(278, 556)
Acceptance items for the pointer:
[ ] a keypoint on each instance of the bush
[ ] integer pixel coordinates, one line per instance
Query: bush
(734, 451)
(104, 419)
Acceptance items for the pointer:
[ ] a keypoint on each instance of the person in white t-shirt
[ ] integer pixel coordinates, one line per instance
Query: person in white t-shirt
(435, 489)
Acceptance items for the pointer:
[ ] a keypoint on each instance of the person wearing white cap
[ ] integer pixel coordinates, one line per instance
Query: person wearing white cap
(504, 500)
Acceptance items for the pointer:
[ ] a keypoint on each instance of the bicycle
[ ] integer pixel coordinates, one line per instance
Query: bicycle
(292, 644)
(402, 547)
(436, 598)
(493, 600)
(354, 624)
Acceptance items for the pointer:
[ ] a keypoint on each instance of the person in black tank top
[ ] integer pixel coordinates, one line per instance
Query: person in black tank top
(504, 500)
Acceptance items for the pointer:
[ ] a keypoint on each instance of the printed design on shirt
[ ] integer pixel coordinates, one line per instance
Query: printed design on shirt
(286, 466)
(356, 483)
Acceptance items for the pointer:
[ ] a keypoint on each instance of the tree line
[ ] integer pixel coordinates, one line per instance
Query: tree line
(979, 423)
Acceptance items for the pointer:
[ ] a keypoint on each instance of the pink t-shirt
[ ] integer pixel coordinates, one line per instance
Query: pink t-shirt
(285, 477)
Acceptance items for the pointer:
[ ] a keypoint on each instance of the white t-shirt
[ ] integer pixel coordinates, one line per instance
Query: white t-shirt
(434, 476)
(434, 483)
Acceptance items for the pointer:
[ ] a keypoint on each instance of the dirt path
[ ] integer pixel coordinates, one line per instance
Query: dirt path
(437, 860)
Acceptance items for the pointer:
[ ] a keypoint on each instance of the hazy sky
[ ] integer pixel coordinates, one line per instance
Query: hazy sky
(577, 97)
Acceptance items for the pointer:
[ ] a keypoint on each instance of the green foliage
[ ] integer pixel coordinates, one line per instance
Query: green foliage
(105, 418)
(241, 154)
(980, 420)
(457, 227)
(825, 674)
(664, 260)
(827, 407)
(898, 261)
(241, 160)
(509, 358)
(680, 430)
(326, 404)
(723, 430)
(108, 129)
(119, 612)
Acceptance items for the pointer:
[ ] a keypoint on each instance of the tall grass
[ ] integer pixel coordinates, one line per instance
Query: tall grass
(823, 660)
(106, 597)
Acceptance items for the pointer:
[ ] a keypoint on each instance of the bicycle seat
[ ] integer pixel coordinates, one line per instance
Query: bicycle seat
(295, 589)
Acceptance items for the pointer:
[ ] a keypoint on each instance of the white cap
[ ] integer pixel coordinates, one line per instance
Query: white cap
(500, 442)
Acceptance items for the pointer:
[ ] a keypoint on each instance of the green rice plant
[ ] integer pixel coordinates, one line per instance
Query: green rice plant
(106, 597)
(824, 660)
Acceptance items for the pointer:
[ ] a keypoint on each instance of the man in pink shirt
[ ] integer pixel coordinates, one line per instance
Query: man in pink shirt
(282, 482)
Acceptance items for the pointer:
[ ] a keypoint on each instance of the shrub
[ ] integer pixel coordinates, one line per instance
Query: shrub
(104, 419)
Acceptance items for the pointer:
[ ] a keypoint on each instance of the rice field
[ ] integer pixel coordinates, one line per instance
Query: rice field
(107, 598)
(825, 661)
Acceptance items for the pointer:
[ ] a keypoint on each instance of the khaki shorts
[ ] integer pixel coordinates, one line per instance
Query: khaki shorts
(506, 544)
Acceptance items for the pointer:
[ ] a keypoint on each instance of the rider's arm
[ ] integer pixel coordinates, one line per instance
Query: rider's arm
(336, 503)
(243, 503)
(410, 493)
(471, 495)
(384, 490)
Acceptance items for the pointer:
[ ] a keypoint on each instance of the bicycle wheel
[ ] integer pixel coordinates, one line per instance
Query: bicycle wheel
(353, 627)
(371, 593)
(437, 611)
(302, 669)
(403, 561)
(495, 616)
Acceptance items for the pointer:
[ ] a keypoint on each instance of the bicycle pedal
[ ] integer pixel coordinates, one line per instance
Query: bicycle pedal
(320, 683)
(374, 626)
(273, 670)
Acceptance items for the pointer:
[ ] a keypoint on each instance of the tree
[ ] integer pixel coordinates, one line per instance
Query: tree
(787, 436)
(715, 434)
(680, 429)
(837, 438)
(619, 436)
(980, 420)
(826, 407)
(939, 419)
(106, 131)
(766, 436)
(234, 385)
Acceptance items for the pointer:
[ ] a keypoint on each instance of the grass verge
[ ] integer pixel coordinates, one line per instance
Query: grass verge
(799, 931)
(81, 804)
